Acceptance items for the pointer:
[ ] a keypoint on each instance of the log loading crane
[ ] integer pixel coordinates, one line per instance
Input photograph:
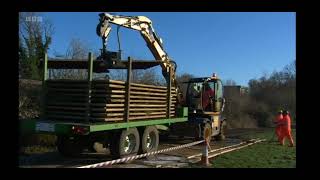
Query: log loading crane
(192, 94)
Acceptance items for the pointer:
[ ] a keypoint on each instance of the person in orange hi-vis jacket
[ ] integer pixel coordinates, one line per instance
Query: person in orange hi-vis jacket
(278, 121)
(286, 129)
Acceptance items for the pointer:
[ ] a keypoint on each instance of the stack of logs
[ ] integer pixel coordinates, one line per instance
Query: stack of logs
(66, 99)
(69, 99)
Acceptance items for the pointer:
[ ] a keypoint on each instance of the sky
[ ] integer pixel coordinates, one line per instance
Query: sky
(234, 45)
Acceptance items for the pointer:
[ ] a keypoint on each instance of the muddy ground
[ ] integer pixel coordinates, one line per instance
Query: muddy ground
(173, 159)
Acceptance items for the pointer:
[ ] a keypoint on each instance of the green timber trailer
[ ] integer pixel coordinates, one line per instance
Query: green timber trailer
(70, 109)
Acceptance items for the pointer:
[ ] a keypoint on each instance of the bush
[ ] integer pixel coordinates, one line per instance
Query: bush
(262, 115)
(29, 107)
(237, 112)
(265, 97)
(29, 98)
(38, 139)
(274, 92)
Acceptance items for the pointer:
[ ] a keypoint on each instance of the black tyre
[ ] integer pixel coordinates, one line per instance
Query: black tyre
(150, 139)
(125, 143)
(69, 146)
(221, 135)
(164, 135)
(91, 148)
(114, 145)
(197, 132)
(201, 130)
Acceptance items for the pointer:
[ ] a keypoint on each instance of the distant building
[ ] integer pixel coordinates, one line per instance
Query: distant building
(234, 91)
(232, 96)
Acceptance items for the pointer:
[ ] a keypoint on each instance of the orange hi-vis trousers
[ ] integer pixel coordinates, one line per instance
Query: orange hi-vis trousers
(286, 134)
(278, 133)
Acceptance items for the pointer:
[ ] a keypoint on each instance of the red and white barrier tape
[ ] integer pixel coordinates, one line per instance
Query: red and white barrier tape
(130, 158)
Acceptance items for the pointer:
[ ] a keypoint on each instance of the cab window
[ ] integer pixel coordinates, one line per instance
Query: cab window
(195, 90)
(219, 90)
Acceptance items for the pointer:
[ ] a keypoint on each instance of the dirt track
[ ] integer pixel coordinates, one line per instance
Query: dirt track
(171, 159)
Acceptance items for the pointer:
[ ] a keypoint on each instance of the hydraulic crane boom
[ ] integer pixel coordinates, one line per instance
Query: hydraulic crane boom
(144, 26)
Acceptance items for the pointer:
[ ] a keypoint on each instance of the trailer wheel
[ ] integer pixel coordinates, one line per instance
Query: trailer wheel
(69, 146)
(150, 139)
(125, 143)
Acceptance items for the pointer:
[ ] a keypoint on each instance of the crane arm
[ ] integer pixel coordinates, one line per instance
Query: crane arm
(144, 26)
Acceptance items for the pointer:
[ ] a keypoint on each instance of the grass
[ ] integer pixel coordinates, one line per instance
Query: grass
(268, 154)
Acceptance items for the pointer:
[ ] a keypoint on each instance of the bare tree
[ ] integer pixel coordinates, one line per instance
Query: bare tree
(229, 82)
(184, 77)
(35, 36)
(77, 50)
(290, 69)
(148, 76)
(278, 91)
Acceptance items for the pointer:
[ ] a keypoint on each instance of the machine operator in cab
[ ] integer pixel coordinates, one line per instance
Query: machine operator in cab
(208, 93)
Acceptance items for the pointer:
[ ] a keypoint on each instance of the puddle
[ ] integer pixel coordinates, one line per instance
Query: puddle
(130, 166)
(170, 158)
